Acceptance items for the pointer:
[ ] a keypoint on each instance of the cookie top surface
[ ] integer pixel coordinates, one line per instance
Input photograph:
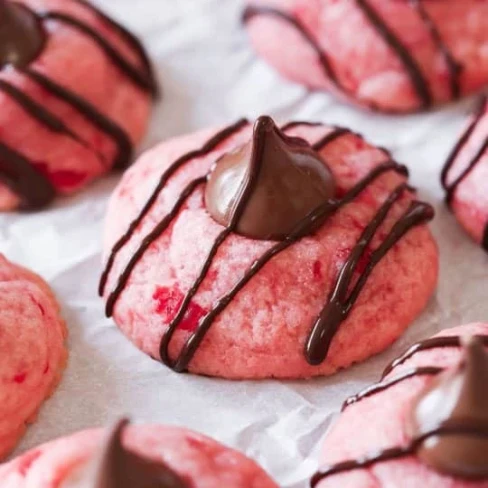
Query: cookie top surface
(422, 423)
(164, 457)
(32, 336)
(393, 56)
(465, 175)
(73, 115)
(268, 313)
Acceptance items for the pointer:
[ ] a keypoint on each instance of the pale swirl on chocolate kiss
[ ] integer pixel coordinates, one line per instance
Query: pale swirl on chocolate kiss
(285, 180)
(448, 423)
(115, 466)
(458, 397)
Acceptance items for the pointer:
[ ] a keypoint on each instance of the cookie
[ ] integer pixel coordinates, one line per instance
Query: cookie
(75, 95)
(465, 174)
(134, 457)
(266, 252)
(32, 347)
(392, 56)
(424, 424)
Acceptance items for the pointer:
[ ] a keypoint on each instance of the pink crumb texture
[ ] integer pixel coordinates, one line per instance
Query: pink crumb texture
(470, 199)
(370, 71)
(262, 332)
(378, 422)
(198, 459)
(74, 61)
(32, 342)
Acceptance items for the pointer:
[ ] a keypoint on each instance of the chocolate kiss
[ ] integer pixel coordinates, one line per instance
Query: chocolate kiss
(457, 397)
(265, 188)
(117, 467)
(22, 36)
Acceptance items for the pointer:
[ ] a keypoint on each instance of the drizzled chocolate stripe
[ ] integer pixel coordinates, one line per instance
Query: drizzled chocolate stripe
(386, 384)
(254, 11)
(461, 144)
(144, 78)
(340, 304)
(209, 146)
(320, 214)
(18, 174)
(298, 123)
(90, 113)
(418, 80)
(398, 452)
(455, 153)
(330, 137)
(37, 111)
(415, 73)
(149, 239)
(134, 74)
(472, 164)
(133, 42)
(444, 429)
(334, 134)
(452, 65)
(426, 345)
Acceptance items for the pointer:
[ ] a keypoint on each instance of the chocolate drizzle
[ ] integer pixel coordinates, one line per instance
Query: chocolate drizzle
(411, 66)
(140, 78)
(418, 80)
(208, 147)
(428, 344)
(89, 113)
(18, 174)
(118, 467)
(134, 43)
(456, 423)
(37, 111)
(254, 11)
(449, 428)
(338, 306)
(143, 78)
(341, 300)
(453, 66)
(388, 383)
(451, 187)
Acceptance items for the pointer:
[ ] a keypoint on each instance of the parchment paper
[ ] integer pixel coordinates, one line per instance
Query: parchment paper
(210, 76)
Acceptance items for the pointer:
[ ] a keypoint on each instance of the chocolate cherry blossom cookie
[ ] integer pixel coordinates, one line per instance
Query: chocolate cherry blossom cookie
(389, 55)
(32, 349)
(75, 94)
(465, 177)
(265, 252)
(424, 424)
(134, 457)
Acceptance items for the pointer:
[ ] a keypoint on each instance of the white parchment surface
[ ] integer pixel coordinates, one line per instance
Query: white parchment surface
(210, 76)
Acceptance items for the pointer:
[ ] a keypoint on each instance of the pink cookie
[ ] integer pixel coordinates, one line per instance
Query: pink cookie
(202, 297)
(465, 177)
(32, 347)
(389, 55)
(75, 94)
(134, 457)
(425, 424)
